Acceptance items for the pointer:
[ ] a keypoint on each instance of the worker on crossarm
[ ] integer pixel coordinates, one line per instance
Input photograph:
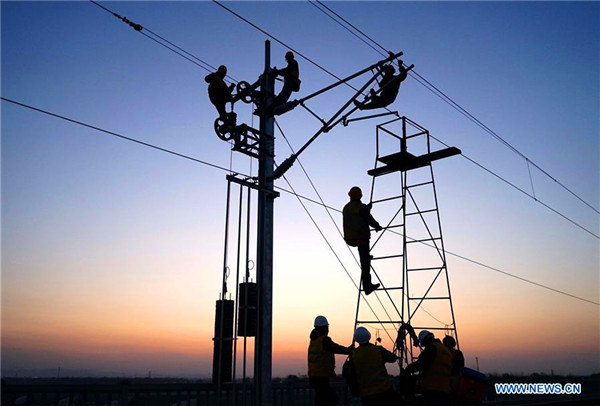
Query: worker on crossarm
(369, 360)
(321, 362)
(389, 85)
(357, 219)
(218, 91)
(435, 365)
(458, 363)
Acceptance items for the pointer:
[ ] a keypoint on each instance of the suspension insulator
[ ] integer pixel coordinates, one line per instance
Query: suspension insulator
(248, 306)
(223, 342)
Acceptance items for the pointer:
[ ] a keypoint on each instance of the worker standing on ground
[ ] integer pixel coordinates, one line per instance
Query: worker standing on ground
(389, 85)
(291, 79)
(435, 365)
(218, 91)
(357, 219)
(458, 363)
(369, 360)
(321, 362)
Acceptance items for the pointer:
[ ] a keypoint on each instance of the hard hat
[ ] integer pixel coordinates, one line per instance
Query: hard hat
(355, 193)
(424, 334)
(222, 69)
(289, 54)
(362, 335)
(321, 321)
(390, 69)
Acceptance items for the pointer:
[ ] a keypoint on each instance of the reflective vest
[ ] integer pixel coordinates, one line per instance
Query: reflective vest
(438, 376)
(356, 229)
(371, 374)
(320, 362)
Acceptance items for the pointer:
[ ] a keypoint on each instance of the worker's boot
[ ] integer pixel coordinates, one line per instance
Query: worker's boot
(370, 288)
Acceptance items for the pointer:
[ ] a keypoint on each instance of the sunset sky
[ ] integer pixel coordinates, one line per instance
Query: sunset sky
(112, 252)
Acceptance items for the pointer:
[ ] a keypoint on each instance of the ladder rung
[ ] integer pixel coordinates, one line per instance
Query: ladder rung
(386, 199)
(433, 268)
(430, 298)
(387, 257)
(419, 184)
(423, 240)
(420, 212)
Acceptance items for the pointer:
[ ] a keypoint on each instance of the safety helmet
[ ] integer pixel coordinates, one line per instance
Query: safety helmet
(289, 54)
(321, 321)
(389, 69)
(355, 193)
(425, 334)
(362, 335)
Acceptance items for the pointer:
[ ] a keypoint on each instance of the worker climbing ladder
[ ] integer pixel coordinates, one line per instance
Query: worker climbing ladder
(408, 256)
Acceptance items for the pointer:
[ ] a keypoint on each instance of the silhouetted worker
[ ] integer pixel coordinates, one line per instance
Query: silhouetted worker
(435, 365)
(369, 360)
(218, 91)
(389, 86)
(357, 219)
(291, 79)
(321, 362)
(458, 363)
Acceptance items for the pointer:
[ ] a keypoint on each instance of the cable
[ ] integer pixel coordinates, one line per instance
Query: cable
(283, 43)
(335, 76)
(279, 188)
(522, 191)
(334, 253)
(116, 134)
(341, 25)
(459, 108)
(334, 222)
(171, 46)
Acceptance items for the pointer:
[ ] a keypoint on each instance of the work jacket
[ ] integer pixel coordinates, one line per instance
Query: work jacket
(320, 362)
(321, 350)
(438, 375)
(357, 219)
(371, 375)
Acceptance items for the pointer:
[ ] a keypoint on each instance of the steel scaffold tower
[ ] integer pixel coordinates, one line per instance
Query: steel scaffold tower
(408, 256)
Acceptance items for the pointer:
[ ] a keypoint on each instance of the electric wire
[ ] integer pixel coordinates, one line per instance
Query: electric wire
(458, 107)
(277, 187)
(341, 25)
(283, 44)
(347, 84)
(146, 144)
(168, 44)
(332, 250)
(332, 219)
(523, 191)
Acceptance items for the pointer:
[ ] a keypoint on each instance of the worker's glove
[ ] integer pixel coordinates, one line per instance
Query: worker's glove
(378, 228)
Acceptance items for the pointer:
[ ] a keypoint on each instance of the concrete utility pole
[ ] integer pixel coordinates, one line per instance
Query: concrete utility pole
(264, 338)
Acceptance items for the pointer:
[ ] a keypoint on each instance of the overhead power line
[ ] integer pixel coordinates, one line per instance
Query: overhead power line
(462, 154)
(164, 42)
(430, 86)
(114, 134)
